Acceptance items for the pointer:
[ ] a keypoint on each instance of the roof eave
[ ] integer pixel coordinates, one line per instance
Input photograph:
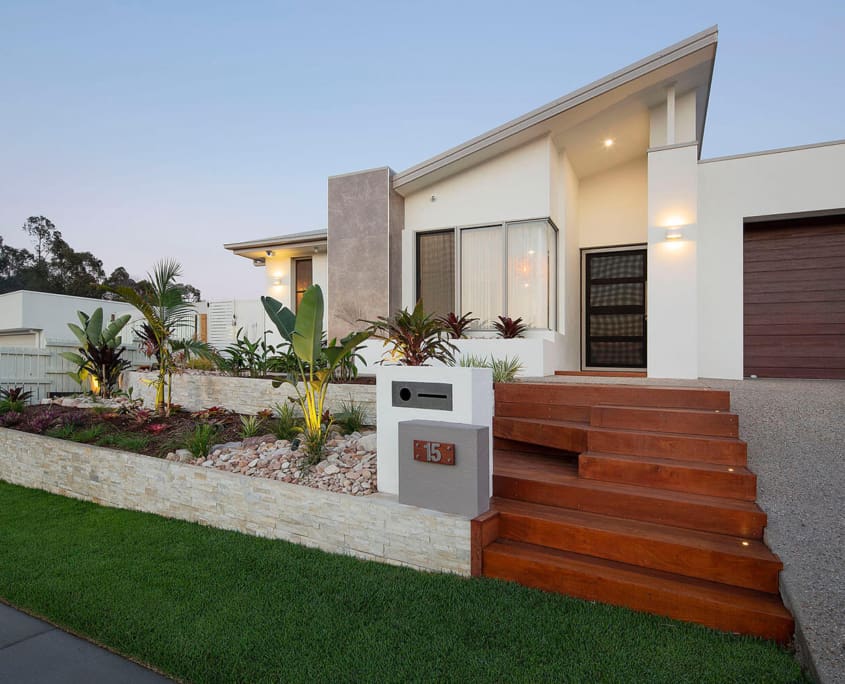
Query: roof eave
(521, 124)
(281, 241)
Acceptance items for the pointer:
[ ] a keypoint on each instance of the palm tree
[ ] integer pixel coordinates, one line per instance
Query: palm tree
(161, 301)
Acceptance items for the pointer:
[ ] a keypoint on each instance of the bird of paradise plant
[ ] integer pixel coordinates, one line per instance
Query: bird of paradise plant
(161, 300)
(304, 331)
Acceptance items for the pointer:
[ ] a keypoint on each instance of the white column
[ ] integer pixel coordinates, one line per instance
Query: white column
(672, 262)
(670, 115)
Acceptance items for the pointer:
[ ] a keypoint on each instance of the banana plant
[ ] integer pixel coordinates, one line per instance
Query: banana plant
(304, 331)
(100, 352)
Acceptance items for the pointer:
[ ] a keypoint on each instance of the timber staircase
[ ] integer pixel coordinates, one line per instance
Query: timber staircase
(636, 496)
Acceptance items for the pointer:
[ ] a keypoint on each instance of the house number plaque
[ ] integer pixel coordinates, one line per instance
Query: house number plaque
(434, 452)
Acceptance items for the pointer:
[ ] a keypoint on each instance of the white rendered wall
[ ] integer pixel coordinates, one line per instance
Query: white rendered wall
(510, 187)
(20, 340)
(685, 111)
(279, 272)
(613, 206)
(52, 312)
(11, 311)
(472, 404)
(787, 182)
(672, 279)
(569, 271)
(537, 351)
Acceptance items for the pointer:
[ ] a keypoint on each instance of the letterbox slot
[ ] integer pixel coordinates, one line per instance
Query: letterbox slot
(435, 396)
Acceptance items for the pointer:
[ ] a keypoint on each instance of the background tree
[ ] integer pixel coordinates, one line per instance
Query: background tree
(54, 266)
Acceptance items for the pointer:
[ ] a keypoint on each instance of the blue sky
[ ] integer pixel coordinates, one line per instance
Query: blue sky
(150, 129)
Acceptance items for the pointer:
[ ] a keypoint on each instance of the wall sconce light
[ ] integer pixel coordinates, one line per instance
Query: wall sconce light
(269, 252)
(674, 233)
(277, 282)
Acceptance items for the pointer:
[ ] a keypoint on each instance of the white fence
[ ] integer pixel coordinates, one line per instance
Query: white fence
(25, 367)
(44, 371)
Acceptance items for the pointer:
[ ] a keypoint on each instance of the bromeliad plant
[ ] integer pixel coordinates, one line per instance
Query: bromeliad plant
(509, 328)
(304, 331)
(457, 327)
(414, 338)
(99, 356)
(13, 399)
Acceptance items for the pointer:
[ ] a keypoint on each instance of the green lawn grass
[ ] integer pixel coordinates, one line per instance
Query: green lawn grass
(206, 605)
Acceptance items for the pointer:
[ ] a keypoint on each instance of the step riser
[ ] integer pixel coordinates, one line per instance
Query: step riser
(580, 414)
(707, 564)
(512, 445)
(617, 395)
(676, 447)
(554, 436)
(673, 478)
(677, 514)
(678, 422)
(588, 586)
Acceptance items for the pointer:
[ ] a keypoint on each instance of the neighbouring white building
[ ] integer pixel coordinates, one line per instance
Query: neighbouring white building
(595, 219)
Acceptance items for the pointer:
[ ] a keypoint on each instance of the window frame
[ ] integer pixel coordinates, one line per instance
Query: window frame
(552, 282)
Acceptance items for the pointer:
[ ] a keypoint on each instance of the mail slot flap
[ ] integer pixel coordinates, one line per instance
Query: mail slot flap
(422, 395)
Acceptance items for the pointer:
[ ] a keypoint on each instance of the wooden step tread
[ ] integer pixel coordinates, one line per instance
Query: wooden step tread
(639, 528)
(694, 553)
(555, 482)
(589, 394)
(558, 434)
(690, 465)
(578, 425)
(715, 605)
(712, 422)
(535, 467)
(692, 477)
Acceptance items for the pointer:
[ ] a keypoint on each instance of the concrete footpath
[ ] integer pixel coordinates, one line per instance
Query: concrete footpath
(33, 651)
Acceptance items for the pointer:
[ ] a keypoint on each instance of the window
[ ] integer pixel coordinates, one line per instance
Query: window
(531, 259)
(436, 271)
(505, 269)
(482, 274)
(304, 278)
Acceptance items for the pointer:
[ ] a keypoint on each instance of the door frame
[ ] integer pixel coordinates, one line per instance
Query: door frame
(583, 319)
(296, 262)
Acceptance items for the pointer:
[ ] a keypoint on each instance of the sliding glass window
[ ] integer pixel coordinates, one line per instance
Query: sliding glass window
(482, 274)
(531, 260)
(436, 271)
(507, 269)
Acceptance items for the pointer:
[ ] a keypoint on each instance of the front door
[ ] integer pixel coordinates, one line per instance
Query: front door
(303, 277)
(615, 308)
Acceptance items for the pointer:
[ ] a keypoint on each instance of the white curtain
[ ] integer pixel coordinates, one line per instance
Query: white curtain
(482, 270)
(529, 263)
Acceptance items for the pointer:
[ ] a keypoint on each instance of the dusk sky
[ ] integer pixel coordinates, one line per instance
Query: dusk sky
(153, 129)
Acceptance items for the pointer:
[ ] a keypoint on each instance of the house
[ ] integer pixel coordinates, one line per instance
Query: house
(36, 319)
(595, 220)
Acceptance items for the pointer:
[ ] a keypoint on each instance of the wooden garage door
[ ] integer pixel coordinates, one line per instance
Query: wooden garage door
(795, 298)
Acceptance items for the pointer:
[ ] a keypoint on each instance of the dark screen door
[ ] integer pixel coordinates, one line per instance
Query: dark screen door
(615, 303)
(304, 278)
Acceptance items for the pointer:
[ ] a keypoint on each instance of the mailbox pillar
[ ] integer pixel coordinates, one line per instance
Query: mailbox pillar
(434, 393)
(445, 466)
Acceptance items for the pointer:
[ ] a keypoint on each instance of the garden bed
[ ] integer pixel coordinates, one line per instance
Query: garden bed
(349, 464)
